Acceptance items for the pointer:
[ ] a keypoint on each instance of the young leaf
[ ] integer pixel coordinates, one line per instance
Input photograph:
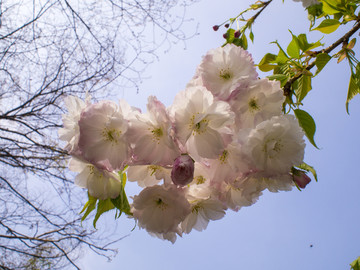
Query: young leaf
(282, 78)
(305, 45)
(230, 35)
(244, 41)
(355, 265)
(308, 125)
(293, 48)
(102, 207)
(329, 7)
(303, 87)
(308, 168)
(351, 44)
(251, 36)
(282, 57)
(89, 206)
(265, 65)
(321, 60)
(328, 26)
(353, 89)
(121, 202)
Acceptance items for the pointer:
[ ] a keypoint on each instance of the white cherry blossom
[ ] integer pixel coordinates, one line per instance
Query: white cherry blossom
(276, 145)
(260, 101)
(159, 209)
(70, 131)
(201, 122)
(102, 135)
(151, 135)
(223, 68)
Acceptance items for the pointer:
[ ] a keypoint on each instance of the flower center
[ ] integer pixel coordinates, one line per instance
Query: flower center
(200, 180)
(224, 156)
(253, 105)
(153, 169)
(157, 134)
(273, 147)
(201, 126)
(160, 204)
(111, 135)
(196, 208)
(225, 74)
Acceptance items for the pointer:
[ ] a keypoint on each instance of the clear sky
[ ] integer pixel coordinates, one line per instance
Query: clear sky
(317, 228)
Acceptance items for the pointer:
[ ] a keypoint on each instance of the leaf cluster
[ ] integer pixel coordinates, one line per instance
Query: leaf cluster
(120, 203)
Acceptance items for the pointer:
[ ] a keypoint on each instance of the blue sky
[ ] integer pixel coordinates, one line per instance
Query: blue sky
(277, 232)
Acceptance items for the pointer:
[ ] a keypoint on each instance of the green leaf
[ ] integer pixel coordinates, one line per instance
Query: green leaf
(282, 78)
(329, 7)
(308, 125)
(265, 65)
(328, 26)
(321, 60)
(230, 35)
(121, 202)
(303, 87)
(353, 90)
(355, 265)
(308, 168)
(293, 48)
(278, 77)
(244, 41)
(102, 207)
(89, 206)
(305, 45)
(282, 57)
(251, 36)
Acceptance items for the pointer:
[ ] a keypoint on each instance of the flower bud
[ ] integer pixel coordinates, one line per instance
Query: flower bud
(237, 34)
(227, 25)
(215, 27)
(301, 179)
(182, 172)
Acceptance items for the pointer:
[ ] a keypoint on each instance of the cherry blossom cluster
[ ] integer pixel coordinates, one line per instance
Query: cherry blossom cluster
(221, 143)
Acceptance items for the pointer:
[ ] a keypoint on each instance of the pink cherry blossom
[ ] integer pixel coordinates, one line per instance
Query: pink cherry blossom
(159, 209)
(152, 136)
(201, 122)
(102, 135)
(223, 68)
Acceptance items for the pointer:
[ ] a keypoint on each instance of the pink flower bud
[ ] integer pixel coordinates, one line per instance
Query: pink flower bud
(301, 179)
(237, 34)
(182, 172)
(227, 25)
(216, 27)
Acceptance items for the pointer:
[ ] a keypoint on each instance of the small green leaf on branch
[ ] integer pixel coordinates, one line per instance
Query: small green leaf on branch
(265, 64)
(282, 78)
(330, 6)
(355, 265)
(321, 60)
(308, 125)
(328, 26)
(354, 89)
(303, 86)
(293, 48)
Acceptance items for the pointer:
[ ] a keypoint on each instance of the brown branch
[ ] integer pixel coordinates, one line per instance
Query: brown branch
(344, 38)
